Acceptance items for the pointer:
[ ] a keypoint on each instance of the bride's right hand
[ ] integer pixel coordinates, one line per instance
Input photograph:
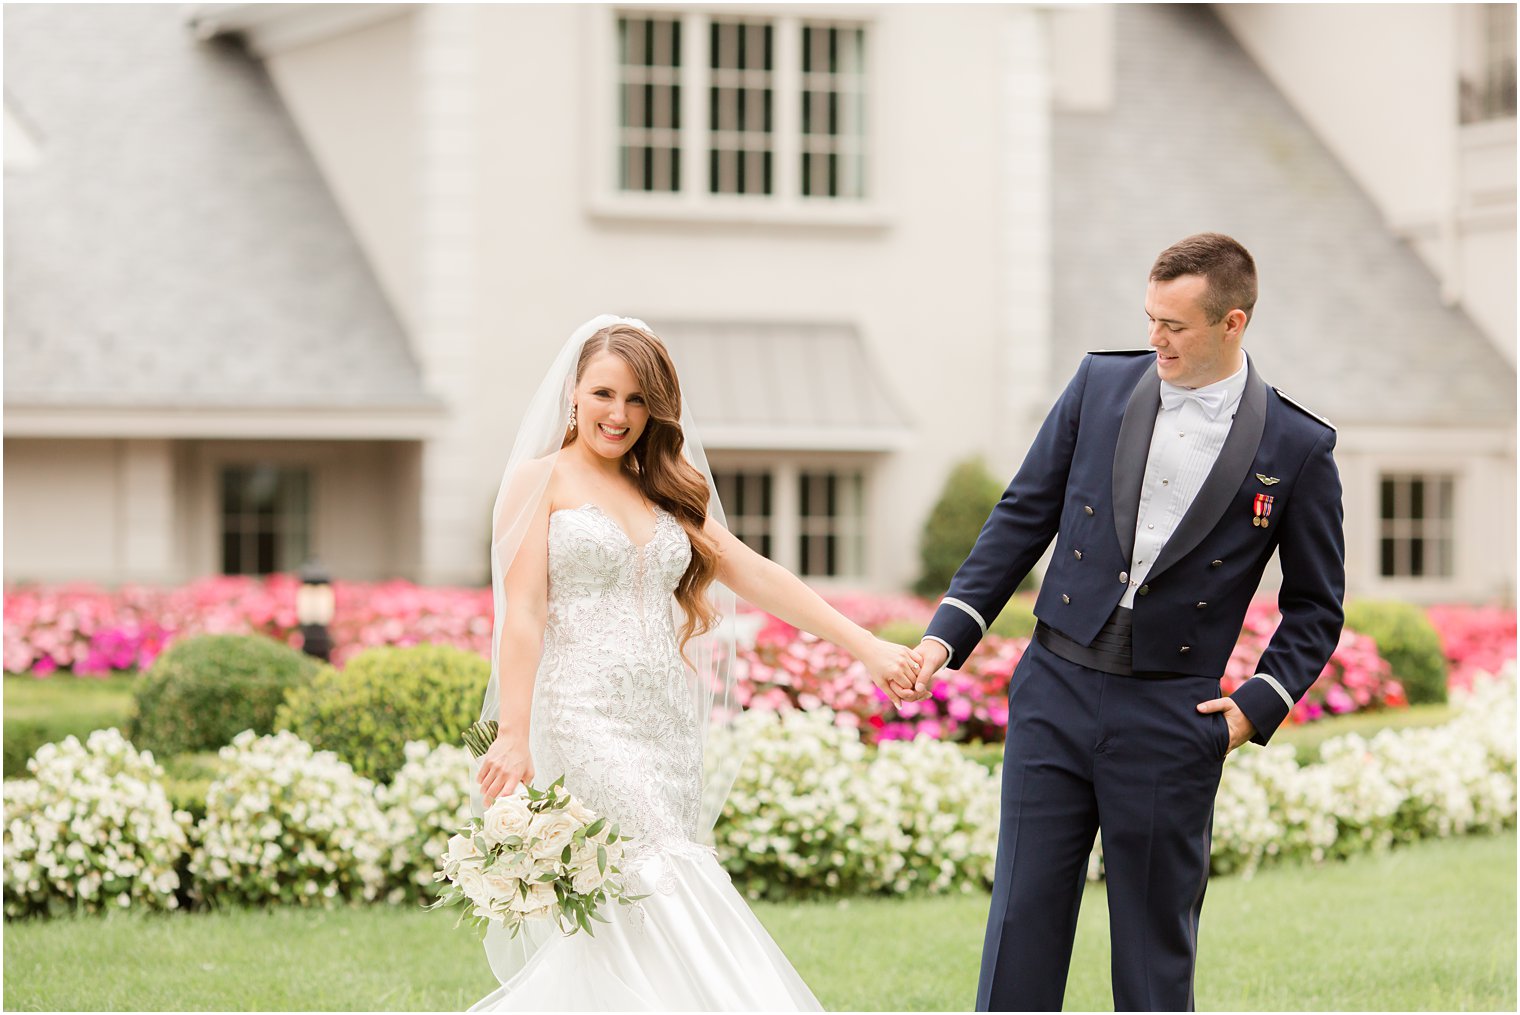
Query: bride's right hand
(505, 765)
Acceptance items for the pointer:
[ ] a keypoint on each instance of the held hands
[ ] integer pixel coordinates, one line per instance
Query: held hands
(1241, 728)
(934, 656)
(893, 668)
(504, 766)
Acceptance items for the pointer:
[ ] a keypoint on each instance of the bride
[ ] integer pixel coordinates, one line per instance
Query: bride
(614, 581)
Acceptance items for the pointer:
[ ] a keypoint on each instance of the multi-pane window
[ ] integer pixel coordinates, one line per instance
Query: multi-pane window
(266, 519)
(649, 100)
(1417, 513)
(1488, 63)
(831, 524)
(750, 106)
(740, 105)
(833, 111)
(747, 501)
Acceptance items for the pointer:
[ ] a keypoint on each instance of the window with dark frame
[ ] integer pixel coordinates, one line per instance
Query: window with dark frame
(741, 107)
(832, 526)
(747, 497)
(833, 111)
(649, 103)
(266, 519)
(1417, 514)
(737, 95)
(1487, 80)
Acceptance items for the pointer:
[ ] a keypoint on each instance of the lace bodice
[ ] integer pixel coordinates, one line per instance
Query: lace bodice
(612, 706)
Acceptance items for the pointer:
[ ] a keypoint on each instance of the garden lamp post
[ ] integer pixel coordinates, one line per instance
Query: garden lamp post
(314, 610)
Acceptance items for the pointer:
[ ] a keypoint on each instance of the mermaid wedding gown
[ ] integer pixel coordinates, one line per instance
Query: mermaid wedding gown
(612, 714)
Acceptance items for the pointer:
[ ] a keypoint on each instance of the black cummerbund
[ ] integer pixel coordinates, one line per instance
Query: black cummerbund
(1112, 651)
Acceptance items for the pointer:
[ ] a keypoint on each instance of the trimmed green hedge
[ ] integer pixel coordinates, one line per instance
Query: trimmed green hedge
(367, 711)
(1409, 641)
(969, 495)
(203, 691)
(45, 710)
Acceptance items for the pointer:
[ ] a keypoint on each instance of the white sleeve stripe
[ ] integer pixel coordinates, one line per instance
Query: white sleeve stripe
(947, 601)
(950, 650)
(1281, 693)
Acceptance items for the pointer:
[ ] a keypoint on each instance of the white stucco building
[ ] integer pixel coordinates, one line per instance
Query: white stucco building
(279, 277)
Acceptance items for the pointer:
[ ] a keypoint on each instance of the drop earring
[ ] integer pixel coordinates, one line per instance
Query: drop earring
(572, 417)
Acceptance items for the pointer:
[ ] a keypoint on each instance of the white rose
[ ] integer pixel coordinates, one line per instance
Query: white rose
(580, 812)
(587, 879)
(506, 817)
(553, 830)
(462, 848)
(500, 890)
(540, 897)
(584, 854)
(472, 883)
(514, 864)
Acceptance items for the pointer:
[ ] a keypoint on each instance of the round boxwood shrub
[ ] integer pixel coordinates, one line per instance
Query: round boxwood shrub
(367, 711)
(1408, 640)
(206, 690)
(970, 494)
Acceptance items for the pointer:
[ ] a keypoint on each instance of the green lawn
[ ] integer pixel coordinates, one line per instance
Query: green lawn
(1428, 927)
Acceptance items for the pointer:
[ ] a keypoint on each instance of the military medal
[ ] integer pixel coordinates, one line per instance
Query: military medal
(1262, 508)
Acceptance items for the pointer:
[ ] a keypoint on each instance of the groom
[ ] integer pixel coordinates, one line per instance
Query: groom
(1167, 477)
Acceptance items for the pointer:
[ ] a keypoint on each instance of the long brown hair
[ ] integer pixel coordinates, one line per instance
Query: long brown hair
(655, 463)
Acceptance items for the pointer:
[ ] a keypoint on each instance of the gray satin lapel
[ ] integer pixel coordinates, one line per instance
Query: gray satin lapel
(1223, 482)
(1130, 453)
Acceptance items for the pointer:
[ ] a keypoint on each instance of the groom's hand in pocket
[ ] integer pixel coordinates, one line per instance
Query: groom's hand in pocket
(1241, 728)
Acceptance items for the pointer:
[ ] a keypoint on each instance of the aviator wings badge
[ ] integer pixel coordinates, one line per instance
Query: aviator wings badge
(1268, 480)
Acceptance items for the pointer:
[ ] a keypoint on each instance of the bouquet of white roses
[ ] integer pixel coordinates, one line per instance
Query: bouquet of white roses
(533, 855)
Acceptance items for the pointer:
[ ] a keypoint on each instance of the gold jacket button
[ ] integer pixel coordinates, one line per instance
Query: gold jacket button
(1216, 563)
(1065, 598)
(1123, 577)
(1078, 554)
(1185, 649)
(1087, 508)
(1202, 605)
(1145, 590)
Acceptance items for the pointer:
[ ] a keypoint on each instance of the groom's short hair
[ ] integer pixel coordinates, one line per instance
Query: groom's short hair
(1228, 267)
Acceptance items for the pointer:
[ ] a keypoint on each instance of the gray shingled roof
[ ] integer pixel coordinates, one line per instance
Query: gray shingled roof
(176, 245)
(1349, 321)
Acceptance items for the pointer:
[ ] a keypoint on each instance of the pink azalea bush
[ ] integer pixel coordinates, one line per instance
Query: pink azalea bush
(89, 631)
(1355, 678)
(94, 632)
(787, 669)
(1475, 639)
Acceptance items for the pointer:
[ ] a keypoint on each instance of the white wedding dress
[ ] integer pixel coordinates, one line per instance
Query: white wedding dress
(612, 714)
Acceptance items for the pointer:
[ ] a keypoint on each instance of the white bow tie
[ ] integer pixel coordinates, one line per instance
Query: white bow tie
(1211, 402)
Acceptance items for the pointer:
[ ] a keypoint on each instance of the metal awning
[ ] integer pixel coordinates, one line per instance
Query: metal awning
(768, 386)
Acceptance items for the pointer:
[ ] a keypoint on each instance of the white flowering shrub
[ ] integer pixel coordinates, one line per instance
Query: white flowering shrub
(288, 824)
(91, 830)
(792, 822)
(1459, 777)
(943, 808)
(1362, 795)
(813, 811)
(426, 803)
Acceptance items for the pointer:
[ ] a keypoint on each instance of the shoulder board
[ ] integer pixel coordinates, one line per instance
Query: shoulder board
(1312, 415)
(1121, 352)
